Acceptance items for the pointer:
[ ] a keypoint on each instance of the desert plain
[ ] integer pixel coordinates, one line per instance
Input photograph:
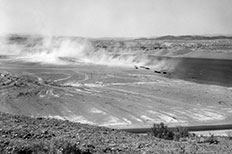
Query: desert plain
(118, 83)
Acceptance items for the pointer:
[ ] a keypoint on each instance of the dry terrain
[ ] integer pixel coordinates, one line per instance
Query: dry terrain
(20, 134)
(111, 96)
(131, 83)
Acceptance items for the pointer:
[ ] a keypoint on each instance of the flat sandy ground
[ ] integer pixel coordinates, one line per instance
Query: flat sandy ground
(117, 97)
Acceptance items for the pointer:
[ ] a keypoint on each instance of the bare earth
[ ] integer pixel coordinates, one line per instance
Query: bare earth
(112, 96)
(181, 81)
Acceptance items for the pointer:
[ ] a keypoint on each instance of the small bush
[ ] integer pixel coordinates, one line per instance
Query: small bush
(180, 132)
(162, 131)
(54, 146)
(65, 146)
(211, 140)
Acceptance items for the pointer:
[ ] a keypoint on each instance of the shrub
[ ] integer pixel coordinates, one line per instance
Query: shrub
(211, 140)
(162, 131)
(54, 146)
(180, 132)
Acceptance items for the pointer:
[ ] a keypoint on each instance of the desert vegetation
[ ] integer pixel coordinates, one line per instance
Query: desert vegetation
(24, 135)
(181, 134)
(162, 131)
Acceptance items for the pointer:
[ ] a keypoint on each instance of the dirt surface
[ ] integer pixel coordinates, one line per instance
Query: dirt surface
(118, 83)
(115, 83)
(22, 134)
(116, 97)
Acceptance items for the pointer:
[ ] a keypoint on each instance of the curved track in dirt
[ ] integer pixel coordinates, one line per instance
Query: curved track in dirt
(117, 97)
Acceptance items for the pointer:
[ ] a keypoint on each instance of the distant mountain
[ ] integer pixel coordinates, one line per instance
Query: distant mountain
(192, 37)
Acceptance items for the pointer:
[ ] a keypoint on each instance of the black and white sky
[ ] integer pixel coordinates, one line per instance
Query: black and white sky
(116, 18)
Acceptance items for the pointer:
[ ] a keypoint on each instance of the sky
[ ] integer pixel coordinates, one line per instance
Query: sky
(116, 18)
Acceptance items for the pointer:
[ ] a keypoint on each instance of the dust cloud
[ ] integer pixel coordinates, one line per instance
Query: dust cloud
(63, 51)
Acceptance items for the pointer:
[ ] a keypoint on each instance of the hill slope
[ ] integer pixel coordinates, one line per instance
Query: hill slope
(20, 134)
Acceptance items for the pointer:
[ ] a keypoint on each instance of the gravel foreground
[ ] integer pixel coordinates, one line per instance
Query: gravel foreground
(24, 135)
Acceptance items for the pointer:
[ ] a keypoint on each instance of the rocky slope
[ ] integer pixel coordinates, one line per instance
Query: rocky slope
(20, 134)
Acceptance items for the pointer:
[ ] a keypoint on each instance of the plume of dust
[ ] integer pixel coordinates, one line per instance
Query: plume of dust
(55, 50)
